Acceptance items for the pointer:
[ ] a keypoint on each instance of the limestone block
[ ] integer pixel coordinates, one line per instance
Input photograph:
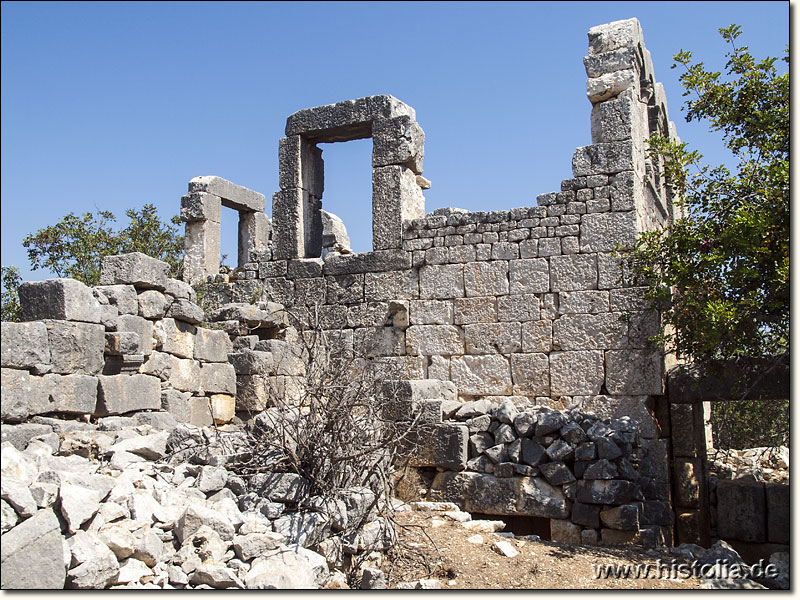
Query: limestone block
(777, 505)
(492, 338)
(71, 394)
(232, 195)
(200, 411)
(187, 311)
(212, 345)
(621, 59)
(180, 289)
(625, 517)
(396, 197)
(620, 119)
(638, 408)
(634, 372)
(603, 159)
(23, 395)
(119, 394)
(134, 268)
(581, 302)
(391, 285)
(742, 510)
(24, 345)
(686, 473)
(531, 275)
(486, 278)
(481, 375)
(475, 310)
(123, 297)
(287, 356)
(34, 542)
(75, 347)
(398, 141)
(530, 374)
(184, 374)
(61, 299)
(615, 35)
(201, 250)
(345, 289)
(643, 326)
(431, 312)
(218, 378)
(518, 307)
(346, 120)
(440, 445)
(590, 332)
(578, 372)
(120, 343)
(254, 233)
(603, 232)
(253, 392)
(609, 85)
(564, 531)
(540, 499)
(201, 206)
(587, 515)
(153, 304)
(177, 404)
(379, 341)
(573, 272)
(605, 491)
(223, 408)
(441, 281)
(334, 234)
(175, 337)
(537, 336)
(300, 165)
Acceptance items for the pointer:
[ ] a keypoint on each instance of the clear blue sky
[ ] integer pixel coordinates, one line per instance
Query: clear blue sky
(114, 105)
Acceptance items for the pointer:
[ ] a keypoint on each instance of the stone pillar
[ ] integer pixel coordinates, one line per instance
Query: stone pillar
(201, 211)
(254, 229)
(396, 197)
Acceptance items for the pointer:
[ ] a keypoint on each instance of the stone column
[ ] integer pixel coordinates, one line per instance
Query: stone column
(201, 211)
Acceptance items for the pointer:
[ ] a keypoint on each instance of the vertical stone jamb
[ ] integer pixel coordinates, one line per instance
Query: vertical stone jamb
(201, 211)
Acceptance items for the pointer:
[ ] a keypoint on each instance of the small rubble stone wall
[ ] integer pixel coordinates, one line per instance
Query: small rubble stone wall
(133, 343)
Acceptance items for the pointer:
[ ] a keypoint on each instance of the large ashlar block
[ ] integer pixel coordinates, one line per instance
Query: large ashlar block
(441, 445)
(486, 278)
(441, 282)
(23, 395)
(634, 372)
(624, 118)
(603, 232)
(254, 232)
(120, 394)
(346, 120)
(75, 347)
(24, 345)
(492, 338)
(200, 206)
(742, 510)
(603, 159)
(63, 299)
(232, 195)
(577, 372)
(573, 272)
(223, 408)
(529, 276)
(590, 332)
(139, 325)
(396, 197)
(398, 141)
(428, 340)
(212, 345)
(176, 337)
(599, 89)
(201, 250)
(136, 269)
(481, 375)
(530, 374)
(300, 165)
(621, 59)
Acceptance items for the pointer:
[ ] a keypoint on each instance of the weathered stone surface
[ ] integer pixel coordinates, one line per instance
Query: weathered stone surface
(153, 304)
(176, 337)
(632, 372)
(304, 529)
(61, 299)
(396, 197)
(625, 517)
(136, 269)
(777, 505)
(530, 374)
(217, 378)
(398, 141)
(587, 515)
(538, 498)
(486, 279)
(24, 345)
(588, 332)
(441, 281)
(603, 491)
(185, 310)
(138, 325)
(72, 394)
(576, 372)
(529, 276)
(481, 375)
(434, 339)
(201, 206)
(556, 473)
(119, 394)
(573, 272)
(75, 347)
(442, 445)
(537, 336)
(563, 531)
(606, 158)
(741, 510)
(232, 195)
(23, 395)
(36, 541)
(123, 297)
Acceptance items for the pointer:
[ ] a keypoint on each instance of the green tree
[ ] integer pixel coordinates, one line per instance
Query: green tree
(720, 273)
(10, 280)
(75, 246)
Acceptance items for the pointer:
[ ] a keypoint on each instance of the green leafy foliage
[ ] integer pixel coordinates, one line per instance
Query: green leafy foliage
(75, 246)
(720, 273)
(10, 309)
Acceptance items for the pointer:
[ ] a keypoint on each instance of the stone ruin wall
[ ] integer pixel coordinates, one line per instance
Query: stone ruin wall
(507, 311)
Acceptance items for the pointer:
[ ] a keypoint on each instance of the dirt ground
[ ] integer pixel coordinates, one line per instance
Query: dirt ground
(432, 546)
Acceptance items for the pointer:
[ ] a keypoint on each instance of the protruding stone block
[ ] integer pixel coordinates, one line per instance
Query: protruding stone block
(138, 325)
(135, 268)
(223, 408)
(123, 297)
(603, 159)
(76, 347)
(615, 35)
(120, 394)
(398, 141)
(231, 195)
(62, 299)
(201, 206)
